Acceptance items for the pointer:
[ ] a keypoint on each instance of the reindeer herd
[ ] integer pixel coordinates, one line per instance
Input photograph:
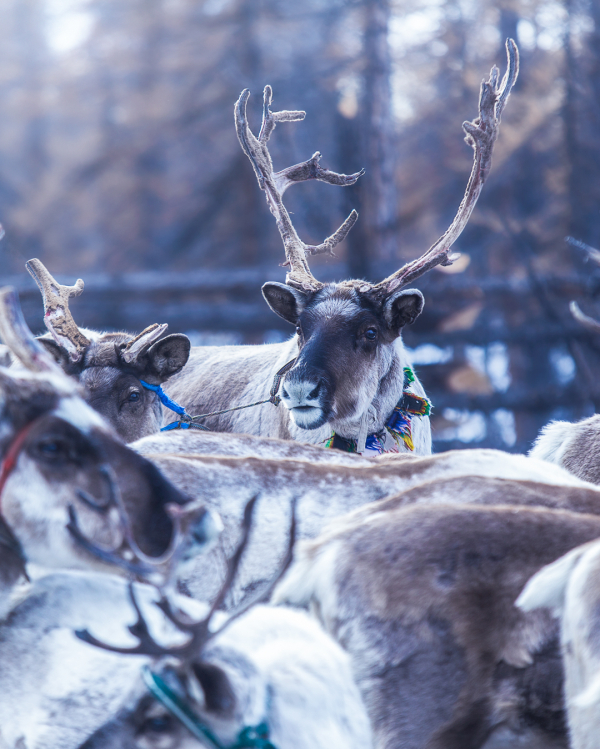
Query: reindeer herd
(253, 546)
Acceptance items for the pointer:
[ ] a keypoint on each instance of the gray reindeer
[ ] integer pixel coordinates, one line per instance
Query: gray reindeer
(348, 379)
(65, 473)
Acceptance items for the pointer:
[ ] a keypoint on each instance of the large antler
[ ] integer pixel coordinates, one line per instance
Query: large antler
(481, 135)
(57, 316)
(200, 632)
(276, 183)
(19, 339)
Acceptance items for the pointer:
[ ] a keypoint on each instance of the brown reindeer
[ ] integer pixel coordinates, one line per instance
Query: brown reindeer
(348, 370)
(121, 374)
(422, 599)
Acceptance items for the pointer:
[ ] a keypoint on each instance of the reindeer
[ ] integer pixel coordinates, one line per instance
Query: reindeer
(65, 474)
(422, 599)
(121, 374)
(346, 369)
(569, 589)
(573, 446)
(370, 397)
(252, 674)
(325, 493)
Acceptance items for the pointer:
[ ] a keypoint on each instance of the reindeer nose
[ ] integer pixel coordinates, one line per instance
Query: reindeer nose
(314, 393)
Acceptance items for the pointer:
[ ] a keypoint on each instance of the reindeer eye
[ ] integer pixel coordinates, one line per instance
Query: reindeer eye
(51, 448)
(371, 334)
(134, 396)
(160, 724)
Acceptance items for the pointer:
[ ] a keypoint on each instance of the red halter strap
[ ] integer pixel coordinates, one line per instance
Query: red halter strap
(12, 455)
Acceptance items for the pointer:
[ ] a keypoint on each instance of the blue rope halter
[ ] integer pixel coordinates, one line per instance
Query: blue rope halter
(250, 737)
(190, 422)
(172, 405)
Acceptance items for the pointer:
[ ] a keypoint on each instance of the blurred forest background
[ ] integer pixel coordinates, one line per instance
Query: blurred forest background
(119, 163)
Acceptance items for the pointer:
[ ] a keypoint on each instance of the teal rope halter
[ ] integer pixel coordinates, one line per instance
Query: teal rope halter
(250, 737)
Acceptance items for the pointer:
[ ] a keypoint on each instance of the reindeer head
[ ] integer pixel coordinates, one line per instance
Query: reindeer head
(64, 466)
(202, 682)
(348, 332)
(111, 366)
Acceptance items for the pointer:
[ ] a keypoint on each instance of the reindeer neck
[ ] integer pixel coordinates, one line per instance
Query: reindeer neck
(396, 379)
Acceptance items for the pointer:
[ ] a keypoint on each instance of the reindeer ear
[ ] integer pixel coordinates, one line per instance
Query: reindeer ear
(58, 353)
(219, 696)
(402, 308)
(168, 356)
(284, 301)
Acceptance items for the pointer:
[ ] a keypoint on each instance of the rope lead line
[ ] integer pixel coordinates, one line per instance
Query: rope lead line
(250, 737)
(189, 422)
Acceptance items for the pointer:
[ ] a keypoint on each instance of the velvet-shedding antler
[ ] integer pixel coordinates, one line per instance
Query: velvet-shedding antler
(200, 632)
(481, 135)
(57, 316)
(276, 183)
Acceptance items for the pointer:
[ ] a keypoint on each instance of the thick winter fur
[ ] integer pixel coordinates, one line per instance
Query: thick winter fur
(574, 447)
(570, 588)
(340, 374)
(325, 492)
(187, 442)
(422, 599)
(63, 453)
(57, 690)
(272, 665)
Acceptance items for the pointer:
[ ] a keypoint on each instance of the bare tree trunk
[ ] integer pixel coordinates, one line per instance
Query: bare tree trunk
(376, 122)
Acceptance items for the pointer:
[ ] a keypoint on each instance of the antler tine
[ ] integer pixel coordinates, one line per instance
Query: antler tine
(276, 183)
(147, 645)
(204, 627)
(583, 319)
(57, 316)
(481, 135)
(266, 593)
(199, 631)
(19, 339)
(142, 341)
